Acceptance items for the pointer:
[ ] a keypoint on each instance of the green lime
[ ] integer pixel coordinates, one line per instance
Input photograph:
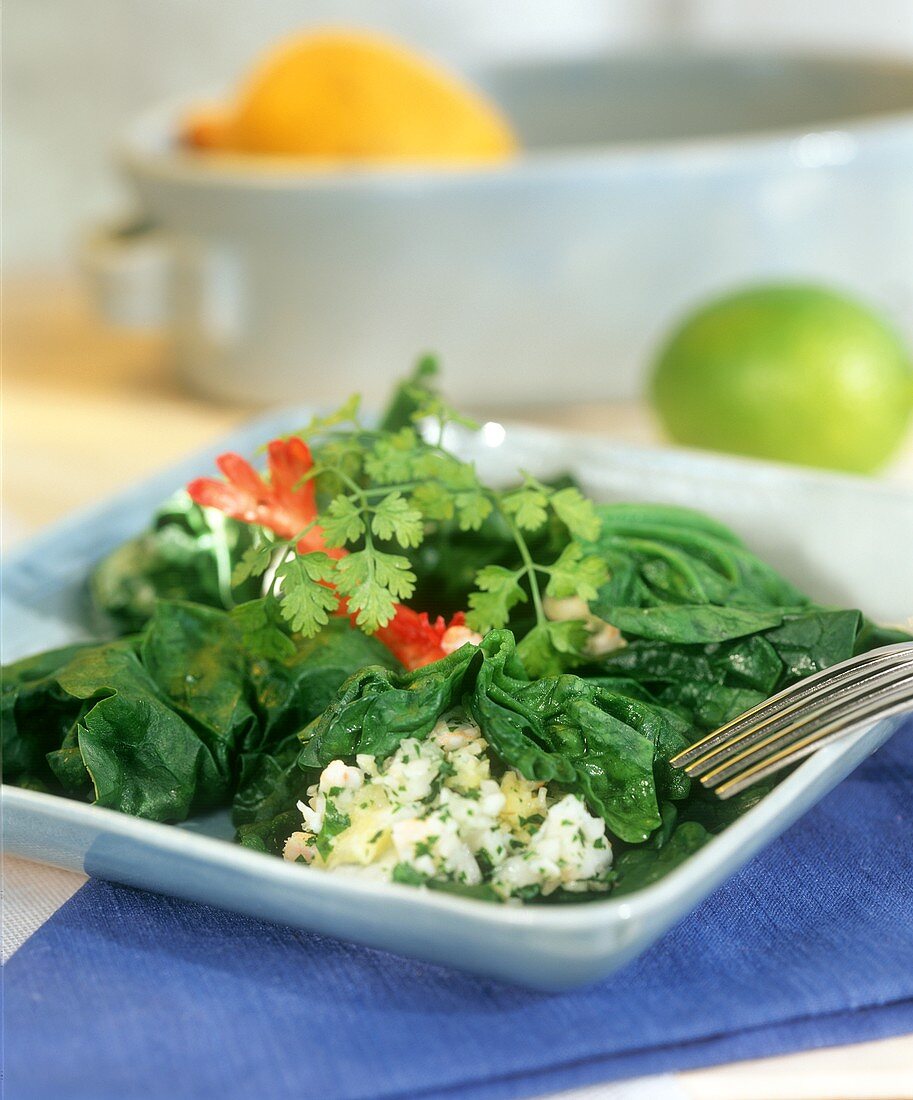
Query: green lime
(790, 372)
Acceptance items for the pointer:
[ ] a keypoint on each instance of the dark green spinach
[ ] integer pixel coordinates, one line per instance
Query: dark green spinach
(187, 553)
(205, 707)
(177, 720)
(610, 749)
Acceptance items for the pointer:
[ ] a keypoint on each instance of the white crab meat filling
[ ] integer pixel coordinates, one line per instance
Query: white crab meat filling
(454, 732)
(433, 810)
(410, 773)
(568, 849)
(298, 848)
(432, 846)
(477, 820)
(339, 776)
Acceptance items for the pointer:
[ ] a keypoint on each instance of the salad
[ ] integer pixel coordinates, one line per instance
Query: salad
(386, 667)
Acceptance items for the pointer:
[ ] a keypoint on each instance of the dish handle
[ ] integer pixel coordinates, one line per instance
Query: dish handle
(127, 267)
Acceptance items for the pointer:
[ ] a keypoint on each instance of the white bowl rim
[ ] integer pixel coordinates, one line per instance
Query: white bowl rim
(741, 151)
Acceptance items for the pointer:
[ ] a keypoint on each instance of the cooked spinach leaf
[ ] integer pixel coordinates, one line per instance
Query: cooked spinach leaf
(712, 684)
(687, 624)
(814, 640)
(611, 749)
(205, 707)
(270, 834)
(187, 553)
(140, 754)
(638, 867)
(660, 554)
(711, 629)
(409, 395)
(35, 716)
(176, 720)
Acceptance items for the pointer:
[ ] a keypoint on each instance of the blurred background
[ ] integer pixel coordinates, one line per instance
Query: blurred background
(669, 153)
(64, 107)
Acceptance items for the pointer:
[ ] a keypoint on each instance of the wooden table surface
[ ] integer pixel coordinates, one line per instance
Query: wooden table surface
(87, 410)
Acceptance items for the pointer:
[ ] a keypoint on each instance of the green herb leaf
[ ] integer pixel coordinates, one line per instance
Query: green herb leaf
(347, 413)
(473, 508)
(374, 582)
(550, 648)
(394, 572)
(394, 518)
(527, 506)
(254, 562)
(305, 602)
(428, 403)
(576, 574)
(334, 823)
(342, 522)
(499, 591)
(434, 501)
(410, 395)
(406, 874)
(576, 512)
(393, 457)
(340, 458)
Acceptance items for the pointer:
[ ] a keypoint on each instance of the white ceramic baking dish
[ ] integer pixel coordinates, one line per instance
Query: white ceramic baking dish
(647, 183)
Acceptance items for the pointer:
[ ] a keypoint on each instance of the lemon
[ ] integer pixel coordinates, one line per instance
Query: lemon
(344, 96)
(792, 372)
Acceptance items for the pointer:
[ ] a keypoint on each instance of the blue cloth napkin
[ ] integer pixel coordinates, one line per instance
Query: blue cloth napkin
(124, 994)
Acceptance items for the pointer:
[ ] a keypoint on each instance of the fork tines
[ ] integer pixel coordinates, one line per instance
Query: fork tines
(801, 719)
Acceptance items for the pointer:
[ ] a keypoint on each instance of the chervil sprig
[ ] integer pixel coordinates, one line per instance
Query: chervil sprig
(375, 489)
(367, 497)
(573, 573)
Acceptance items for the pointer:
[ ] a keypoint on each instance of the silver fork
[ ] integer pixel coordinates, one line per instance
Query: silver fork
(802, 719)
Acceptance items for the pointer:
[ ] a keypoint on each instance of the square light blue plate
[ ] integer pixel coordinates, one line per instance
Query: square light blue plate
(845, 540)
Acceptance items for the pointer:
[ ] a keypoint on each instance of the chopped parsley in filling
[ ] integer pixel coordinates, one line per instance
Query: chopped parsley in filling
(433, 811)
